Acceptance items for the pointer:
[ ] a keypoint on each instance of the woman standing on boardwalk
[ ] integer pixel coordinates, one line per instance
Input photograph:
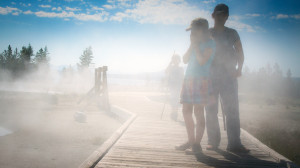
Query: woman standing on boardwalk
(196, 86)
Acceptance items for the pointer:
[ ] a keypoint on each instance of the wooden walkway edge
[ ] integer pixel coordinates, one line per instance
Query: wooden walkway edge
(98, 154)
(278, 157)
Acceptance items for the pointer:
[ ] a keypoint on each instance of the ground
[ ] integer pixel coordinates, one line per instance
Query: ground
(44, 132)
(274, 121)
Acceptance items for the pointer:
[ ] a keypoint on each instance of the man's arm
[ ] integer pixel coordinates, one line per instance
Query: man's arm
(240, 55)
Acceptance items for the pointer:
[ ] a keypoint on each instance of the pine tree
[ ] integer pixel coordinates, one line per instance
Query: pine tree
(41, 57)
(26, 54)
(15, 61)
(289, 74)
(86, 58)
(277, 71)
(2, 61)
(8, 56)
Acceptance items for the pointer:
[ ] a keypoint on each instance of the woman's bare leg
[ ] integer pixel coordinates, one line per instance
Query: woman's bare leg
(200, 122)
(187, 110)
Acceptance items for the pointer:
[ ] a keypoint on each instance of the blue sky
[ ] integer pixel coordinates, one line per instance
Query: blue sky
(141, 35)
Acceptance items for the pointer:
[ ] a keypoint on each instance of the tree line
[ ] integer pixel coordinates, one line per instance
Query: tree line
(270, 81)
(19, 62)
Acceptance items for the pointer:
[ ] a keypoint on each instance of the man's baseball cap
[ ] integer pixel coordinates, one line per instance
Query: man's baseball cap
(198, 23)
(221, 8)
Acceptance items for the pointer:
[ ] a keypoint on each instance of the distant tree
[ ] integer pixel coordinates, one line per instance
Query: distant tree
(16, 61)
(9, 58)
(269, 69)
(246, 71)
(277, 71)
(26, 53)
(289, 74)
(289, 84)
(86, 58)
(41, 57)
(19, 62)
(2, 61)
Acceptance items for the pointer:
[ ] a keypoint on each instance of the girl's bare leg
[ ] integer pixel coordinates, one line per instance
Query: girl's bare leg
(200, 122)
(187, 110)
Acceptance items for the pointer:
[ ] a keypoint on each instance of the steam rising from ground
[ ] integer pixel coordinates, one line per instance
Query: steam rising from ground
(49, 80)
(37, 110)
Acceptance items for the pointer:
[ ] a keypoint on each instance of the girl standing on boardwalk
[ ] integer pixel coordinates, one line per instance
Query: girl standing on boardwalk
(196, 85)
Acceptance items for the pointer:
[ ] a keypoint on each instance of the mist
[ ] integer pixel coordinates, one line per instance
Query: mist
(50, 112)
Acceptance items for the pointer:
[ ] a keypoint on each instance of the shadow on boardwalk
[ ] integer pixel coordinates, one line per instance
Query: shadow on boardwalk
(235, 160)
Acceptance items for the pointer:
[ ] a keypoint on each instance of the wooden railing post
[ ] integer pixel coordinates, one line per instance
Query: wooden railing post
(105, 89)
(100, 88)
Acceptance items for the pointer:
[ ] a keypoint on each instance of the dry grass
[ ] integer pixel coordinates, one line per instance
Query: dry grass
(275, 122)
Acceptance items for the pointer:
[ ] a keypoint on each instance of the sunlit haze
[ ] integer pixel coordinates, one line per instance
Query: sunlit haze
(141, 36)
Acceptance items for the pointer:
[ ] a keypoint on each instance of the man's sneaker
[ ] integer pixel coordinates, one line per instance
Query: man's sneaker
(211, 147)
(196, 149)
(183, 147)
(238, 149)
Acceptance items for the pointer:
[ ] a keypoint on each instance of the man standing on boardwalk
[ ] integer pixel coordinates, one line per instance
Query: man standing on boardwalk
(225, 69)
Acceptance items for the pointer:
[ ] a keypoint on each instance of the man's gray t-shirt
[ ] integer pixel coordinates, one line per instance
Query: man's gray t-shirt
(225, 58)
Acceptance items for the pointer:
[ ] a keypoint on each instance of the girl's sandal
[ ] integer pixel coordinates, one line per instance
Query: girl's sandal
(183, 147)
(196, 150)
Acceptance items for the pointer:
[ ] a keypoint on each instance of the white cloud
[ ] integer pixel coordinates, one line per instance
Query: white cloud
(119, 16)
(57, 9)
(240, 26)
(173, 12)
(282, 16)
(285, 16)
(53, 14)
(235, 17)
(45, 6)
(109, 6)
(72, 9)
(97, 8)
(100, 17)
(8, 10)
(253, 15)
(25, 5)
(28, 12)
(177, 12)
(209, 1)
(112, 4)
(163, 11)
(124, 3)
(296, 16)
(15, 13)
(13, 3)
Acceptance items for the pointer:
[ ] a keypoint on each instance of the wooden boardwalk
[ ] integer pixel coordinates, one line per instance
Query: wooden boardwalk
(149, 141)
